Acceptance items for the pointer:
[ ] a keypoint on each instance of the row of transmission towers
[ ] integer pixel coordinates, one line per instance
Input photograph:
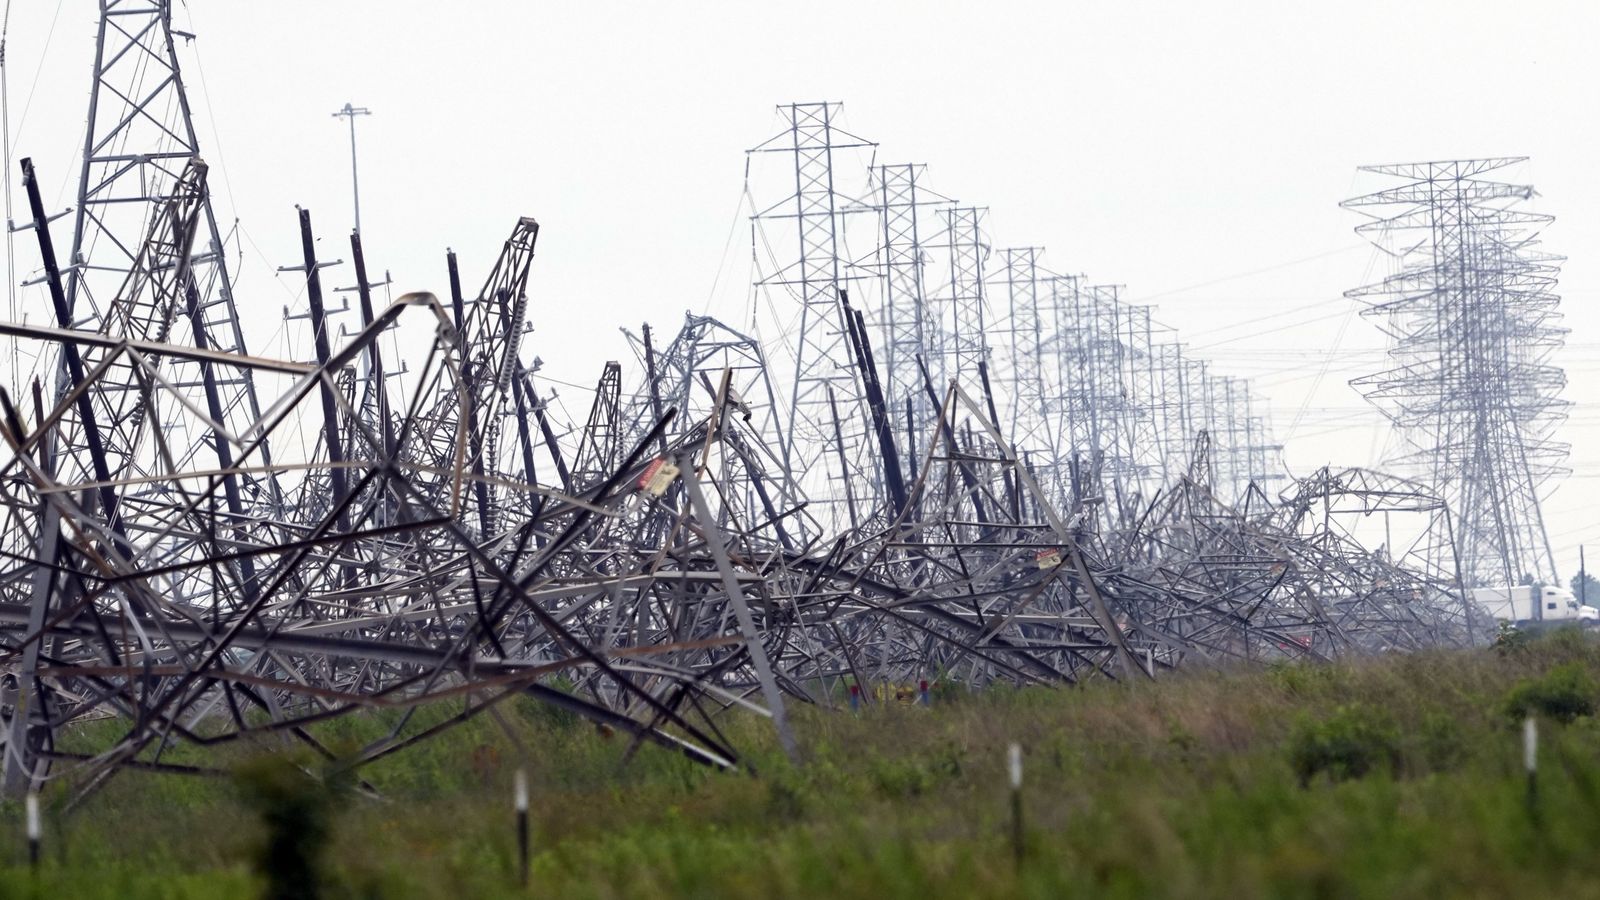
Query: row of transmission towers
(1105, 402)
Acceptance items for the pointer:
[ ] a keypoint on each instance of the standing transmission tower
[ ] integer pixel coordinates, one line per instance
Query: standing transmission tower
(1472, 318)
(969, 252)
(1020, 275)
(911, 326)
(830, 431)
(138, 142)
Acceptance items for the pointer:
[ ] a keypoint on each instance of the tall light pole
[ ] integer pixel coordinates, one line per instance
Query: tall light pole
(350, 112)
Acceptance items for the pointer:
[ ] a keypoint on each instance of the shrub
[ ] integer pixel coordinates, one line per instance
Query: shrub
(1509, 640)
(1348, 744)
(1565, 693)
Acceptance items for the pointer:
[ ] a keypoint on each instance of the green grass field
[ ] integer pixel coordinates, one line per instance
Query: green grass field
(1388, 777)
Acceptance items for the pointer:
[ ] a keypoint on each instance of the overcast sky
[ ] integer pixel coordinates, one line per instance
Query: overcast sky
(1194, 152)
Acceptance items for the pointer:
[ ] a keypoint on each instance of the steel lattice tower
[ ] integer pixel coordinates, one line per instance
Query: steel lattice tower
(911, 328)
(1145, 439)
(968, 250)
(1030, 420)
(1473, 322)
(138, 140)
(139, 136)
(826, 396)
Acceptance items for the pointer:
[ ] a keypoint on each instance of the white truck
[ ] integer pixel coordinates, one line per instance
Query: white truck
(1521, 605)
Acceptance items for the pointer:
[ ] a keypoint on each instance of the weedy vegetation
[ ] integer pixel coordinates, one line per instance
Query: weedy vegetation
(1396, 776)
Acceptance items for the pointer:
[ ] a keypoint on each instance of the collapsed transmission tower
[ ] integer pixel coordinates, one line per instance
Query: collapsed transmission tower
(1473, 322)
(686, 552)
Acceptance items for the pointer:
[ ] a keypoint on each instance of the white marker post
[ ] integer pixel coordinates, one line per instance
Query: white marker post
(1014, 764)
(32, 807)
(520, 789)
(1530, 762)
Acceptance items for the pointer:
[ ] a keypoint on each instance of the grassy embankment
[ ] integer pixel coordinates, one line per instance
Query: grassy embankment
(1385, 777)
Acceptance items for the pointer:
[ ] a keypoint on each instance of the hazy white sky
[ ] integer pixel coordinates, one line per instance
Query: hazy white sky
(1195, 152)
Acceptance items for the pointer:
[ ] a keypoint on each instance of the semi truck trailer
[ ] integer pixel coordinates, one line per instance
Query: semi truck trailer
(1525, 604)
